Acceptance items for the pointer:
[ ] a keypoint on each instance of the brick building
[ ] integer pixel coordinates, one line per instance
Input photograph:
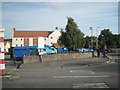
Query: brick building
(30, 38)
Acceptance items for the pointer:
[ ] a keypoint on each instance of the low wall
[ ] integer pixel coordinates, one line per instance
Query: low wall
(55, 57)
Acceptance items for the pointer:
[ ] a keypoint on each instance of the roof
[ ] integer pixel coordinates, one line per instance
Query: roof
(56, 45)
(32, 33)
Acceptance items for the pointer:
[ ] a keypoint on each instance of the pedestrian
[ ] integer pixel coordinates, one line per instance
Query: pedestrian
(104, 51)
(98, 52)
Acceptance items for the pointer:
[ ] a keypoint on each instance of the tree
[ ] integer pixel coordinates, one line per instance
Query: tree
(105, 38)
(87, 42)
(72, 37)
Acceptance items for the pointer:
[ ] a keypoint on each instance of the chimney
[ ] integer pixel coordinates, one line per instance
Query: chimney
(56, 28)
(13, 29)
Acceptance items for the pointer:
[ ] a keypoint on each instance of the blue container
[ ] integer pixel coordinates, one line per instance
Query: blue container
(62, 50)
(46, 46)
(90, 50)
(85, 50)
(19, 52)
(78, 50)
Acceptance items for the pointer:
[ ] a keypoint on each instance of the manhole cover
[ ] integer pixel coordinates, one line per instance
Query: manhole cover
(90, 85)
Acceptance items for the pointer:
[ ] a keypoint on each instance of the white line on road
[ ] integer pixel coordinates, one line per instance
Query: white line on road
(92, 72)
(90, 85)
(79, 76)
(75, 70)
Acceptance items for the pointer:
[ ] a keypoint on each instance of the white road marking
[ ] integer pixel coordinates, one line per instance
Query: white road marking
(92, 72)
(90, 85)
(75, 70)
(108, 61)
(80, 76)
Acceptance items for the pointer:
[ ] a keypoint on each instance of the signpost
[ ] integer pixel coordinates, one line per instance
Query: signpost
(40, 47)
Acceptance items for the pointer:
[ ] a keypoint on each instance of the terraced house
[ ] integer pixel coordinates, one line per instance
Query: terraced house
(30, 38)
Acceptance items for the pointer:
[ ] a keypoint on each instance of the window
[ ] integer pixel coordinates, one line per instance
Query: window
(26, 39)
(51, 43)
(16, 39)
(16, 45)
(51, 37)
(25, 44)
(35, 39)
(45, 39)
(21, 45)
(21, 39)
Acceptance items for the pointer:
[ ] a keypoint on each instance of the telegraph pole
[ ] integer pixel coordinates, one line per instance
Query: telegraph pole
(91, 28)
(96, 38)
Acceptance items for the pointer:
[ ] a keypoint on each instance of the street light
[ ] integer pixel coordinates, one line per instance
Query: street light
(91, 28)
(96, 38)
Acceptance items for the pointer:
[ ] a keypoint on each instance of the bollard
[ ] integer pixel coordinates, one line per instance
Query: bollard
(2, 61)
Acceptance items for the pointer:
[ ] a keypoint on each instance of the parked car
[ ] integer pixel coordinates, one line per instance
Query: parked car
(62, 49)
(50, 50)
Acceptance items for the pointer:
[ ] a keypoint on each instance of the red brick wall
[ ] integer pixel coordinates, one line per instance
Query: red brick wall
(35, 41)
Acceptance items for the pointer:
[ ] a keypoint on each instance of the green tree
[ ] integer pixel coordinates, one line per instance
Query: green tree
(105, 38)
(87, 42)
(72, 37)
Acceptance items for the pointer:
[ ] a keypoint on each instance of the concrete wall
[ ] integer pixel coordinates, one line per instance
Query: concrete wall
(55, 57)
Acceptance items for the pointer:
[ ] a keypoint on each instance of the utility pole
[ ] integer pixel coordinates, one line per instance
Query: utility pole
(96, 38)
(91, 28)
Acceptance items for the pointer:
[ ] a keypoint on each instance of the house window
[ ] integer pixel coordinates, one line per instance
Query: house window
(21, 39)
(16, 39)
(21, 45)
(26, 39)
(51, 43)
(35, 39)
(45, 39)
(51, 37)
(25, 44)
(16, 45)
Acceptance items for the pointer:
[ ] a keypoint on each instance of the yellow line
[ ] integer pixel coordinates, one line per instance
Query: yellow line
(11, 71)
(111, 59)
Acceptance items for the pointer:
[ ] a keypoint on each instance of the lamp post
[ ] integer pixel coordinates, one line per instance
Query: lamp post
(91, 28)
(96, 38)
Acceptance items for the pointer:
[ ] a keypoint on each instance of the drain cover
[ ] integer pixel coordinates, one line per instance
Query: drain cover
(90, 85)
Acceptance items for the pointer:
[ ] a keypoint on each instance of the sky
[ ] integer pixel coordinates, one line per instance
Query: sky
(45, 16)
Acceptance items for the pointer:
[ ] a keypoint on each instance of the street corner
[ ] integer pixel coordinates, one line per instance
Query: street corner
(11, 77)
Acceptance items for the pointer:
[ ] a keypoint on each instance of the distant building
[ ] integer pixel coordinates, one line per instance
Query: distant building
(7, 46)
(30, 38)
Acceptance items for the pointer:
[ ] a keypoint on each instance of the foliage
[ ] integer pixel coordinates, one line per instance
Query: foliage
(72, 37)
(106, 38)
(8, 40)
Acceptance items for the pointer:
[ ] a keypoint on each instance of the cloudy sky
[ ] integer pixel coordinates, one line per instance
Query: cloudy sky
(47, 15)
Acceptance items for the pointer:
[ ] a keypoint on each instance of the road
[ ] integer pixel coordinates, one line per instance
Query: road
(66, 74)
